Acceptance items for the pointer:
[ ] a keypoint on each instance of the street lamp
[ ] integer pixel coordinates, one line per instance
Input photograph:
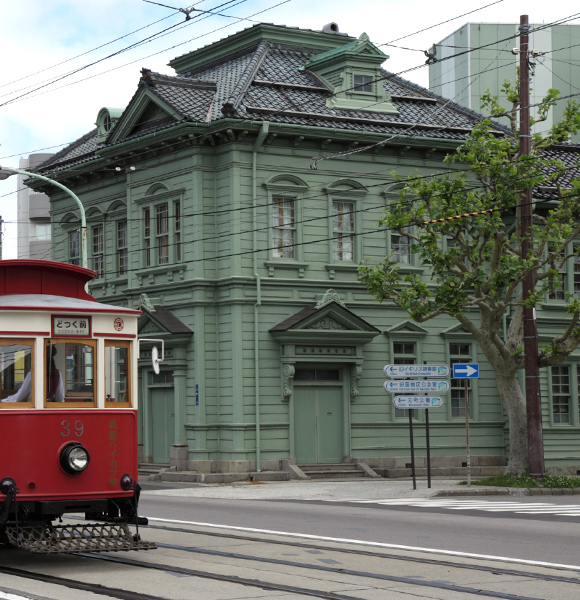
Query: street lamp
(6, 172)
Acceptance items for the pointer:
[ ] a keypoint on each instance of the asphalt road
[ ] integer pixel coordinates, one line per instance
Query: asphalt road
(510, 533)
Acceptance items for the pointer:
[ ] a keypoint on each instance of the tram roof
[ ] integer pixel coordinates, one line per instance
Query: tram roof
(46, 285)
(48, 302)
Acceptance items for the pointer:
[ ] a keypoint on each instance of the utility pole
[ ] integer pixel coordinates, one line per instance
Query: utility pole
(532, 371)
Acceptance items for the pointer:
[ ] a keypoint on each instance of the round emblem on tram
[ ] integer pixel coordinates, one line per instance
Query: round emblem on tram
(119, 324)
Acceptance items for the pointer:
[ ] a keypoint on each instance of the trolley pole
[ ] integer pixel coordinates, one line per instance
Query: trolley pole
(6, 172)
(532, 372)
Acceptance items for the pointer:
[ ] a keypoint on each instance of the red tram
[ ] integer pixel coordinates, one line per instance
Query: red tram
(68, 412)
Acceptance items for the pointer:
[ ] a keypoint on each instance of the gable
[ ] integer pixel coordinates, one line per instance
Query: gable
(146, 111)
(160, 321)
(406, 328)
(328, 323)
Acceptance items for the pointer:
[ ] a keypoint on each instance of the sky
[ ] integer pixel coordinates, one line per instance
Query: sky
(63, 60)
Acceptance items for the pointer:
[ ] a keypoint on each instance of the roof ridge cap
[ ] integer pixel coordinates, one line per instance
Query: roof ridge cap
(244, 82)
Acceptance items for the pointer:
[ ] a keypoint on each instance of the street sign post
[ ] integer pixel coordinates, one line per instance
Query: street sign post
(412, 402)
(405, 371)
(406, 383)
(466, 371)
(416, 386)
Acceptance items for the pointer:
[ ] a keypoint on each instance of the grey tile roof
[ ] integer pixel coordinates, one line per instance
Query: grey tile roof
(168, 321)
(266, 83)
(296, 318)
(81, 150)
(569, 155)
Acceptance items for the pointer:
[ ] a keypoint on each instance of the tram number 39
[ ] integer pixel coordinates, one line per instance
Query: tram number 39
(78, 426)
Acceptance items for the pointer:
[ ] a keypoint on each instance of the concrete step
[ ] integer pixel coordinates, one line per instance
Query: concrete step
(151, 471)
(442, 472)
(333, 471)
(333, 475)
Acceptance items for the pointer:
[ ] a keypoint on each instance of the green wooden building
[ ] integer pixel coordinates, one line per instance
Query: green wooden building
(204, 210)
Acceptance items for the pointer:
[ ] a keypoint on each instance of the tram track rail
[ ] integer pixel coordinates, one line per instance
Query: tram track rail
(374, 577)
(75, 584)
(365, 575)
(386, 555)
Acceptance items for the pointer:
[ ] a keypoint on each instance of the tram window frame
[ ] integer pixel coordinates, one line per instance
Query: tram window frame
(68, 402)
(116, 403)
(20, 342)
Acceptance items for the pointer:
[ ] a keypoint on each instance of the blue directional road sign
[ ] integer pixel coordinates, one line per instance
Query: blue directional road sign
(466, 371)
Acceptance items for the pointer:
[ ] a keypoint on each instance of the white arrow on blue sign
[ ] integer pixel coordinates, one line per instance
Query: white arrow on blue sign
(416, 386)
(411, 402)
(402, 371)
(466, 371)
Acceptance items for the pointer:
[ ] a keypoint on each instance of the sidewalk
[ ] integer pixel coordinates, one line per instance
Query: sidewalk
(367, 489)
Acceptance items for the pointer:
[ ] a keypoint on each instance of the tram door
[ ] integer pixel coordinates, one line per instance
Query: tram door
(162, 417)
(318, 416)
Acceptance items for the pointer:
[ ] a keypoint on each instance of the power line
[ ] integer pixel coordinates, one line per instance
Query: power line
(86, 52)
(121, 51)
(238, 19)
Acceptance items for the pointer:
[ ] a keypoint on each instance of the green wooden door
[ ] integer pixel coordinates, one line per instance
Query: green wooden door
(318, 423)
(163, 423)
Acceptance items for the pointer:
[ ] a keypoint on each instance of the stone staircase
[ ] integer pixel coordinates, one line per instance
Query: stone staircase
(334, 472)
(151, 471)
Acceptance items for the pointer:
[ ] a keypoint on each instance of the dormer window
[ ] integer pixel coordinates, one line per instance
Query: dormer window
(106, 118)
(353, 74)
(363, 83)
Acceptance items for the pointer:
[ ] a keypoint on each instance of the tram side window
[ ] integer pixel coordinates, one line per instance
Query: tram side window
(70, 371)
(15, 371)
(117, 373)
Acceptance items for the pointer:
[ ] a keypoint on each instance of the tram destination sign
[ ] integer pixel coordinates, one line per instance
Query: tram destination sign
(71, 326)
(412, 402)
(404, 371)
(416, 386)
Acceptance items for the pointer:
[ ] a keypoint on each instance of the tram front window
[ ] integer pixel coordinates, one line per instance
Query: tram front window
(15, 371)
(70, 371)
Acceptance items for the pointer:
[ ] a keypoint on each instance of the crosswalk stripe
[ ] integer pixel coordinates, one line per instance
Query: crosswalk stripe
(535, 508)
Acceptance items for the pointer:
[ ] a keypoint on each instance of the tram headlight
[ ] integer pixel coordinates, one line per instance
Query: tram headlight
(74, 458)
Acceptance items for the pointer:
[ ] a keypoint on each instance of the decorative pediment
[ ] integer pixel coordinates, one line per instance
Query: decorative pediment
(406, 328)
(455, 331)
(328, 323)
(149, 326)
(145, 110)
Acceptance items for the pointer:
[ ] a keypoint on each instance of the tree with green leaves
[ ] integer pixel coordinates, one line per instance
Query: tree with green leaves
(476, 267)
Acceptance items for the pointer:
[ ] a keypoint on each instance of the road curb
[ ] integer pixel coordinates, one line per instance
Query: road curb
(501, 491)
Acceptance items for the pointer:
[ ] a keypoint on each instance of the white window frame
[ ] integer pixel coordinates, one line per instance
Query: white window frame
(159, 196)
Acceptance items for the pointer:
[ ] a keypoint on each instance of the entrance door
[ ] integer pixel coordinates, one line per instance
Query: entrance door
(318, 418)
(162, 423)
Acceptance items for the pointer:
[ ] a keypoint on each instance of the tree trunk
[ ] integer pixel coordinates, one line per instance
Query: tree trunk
(514, 403)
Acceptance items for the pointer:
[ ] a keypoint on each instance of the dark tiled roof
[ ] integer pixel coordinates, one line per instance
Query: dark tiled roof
(168, 320)
(81, 150)
(191, 98)
(290, 322)
(266, 83)
(569, 155)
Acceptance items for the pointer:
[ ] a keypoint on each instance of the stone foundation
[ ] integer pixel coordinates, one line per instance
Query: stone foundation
(384, 466)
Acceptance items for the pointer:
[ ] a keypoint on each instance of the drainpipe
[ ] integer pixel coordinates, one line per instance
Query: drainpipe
(263, 133)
